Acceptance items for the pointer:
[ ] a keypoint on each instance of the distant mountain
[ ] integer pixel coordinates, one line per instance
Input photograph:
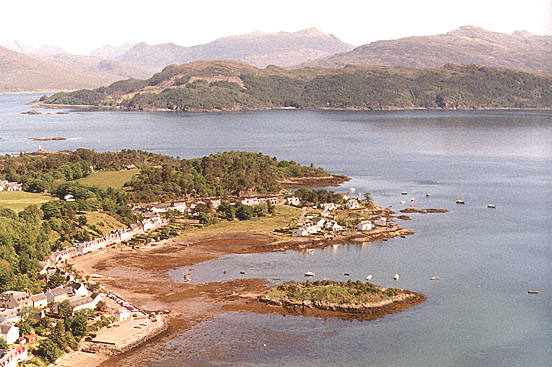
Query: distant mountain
(465, 45)
(101, 68)
(259, 49)
(112, 52)
(24, 73)
(230, 85)
(35, 51)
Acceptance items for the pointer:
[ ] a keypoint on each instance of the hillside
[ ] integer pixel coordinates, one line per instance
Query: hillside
(465, 45)
(258, 49)
(229, 85)
(23, 73)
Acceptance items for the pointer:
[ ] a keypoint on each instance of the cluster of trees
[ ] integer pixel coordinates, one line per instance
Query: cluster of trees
(221, 174)
(318, 197)
(39, 173)
(453, 86)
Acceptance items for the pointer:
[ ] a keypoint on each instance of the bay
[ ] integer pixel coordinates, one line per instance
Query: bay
(477, 314)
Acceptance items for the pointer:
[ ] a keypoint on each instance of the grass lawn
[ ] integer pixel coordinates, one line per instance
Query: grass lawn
(282, 217)
(103, 222)
(19, 200)
(105, 179)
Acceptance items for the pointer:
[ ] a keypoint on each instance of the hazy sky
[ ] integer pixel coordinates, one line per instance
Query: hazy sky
(80, 26)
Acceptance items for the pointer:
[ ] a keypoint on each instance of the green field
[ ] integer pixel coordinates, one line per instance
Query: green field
(105, 179)
(103, 222)
(282, 217)
(19, 200)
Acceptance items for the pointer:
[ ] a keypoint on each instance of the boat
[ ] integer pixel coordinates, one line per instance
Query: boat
(396, 276)
(460, 202)
(346, 274)
(242, 272)
(192, 268)
(335, 245)
(404, 193)
(412, 199)
(402, 202)
(309, 274)
(491, 206)
(434, 278)
(309, 251)
(427, 194)
(533, 292)
(369, 277)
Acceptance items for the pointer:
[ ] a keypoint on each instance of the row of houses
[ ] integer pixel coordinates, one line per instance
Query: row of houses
(12, 357)
(112, 238)
(10, 186)
(318, 224)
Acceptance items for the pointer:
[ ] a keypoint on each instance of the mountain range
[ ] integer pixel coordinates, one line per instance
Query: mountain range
(465, 45)
(51, 68)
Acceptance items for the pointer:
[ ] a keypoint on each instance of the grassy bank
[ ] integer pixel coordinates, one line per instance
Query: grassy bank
(105, 179)
(19, 200)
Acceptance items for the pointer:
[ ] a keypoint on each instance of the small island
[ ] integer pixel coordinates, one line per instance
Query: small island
(362, 300)
(49, 139)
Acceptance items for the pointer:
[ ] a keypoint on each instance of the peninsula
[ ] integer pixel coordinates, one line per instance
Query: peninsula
(231, 86)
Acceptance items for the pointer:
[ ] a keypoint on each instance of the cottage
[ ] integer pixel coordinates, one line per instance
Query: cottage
(250, 201)
(330, 206)
(365, 225)
(325, 213)
(10, 315)
(31, 338)
(59, 294)
(122, 314)
(160, 208)
(10, 186)
(39, 300)
(181, 206)
(318, 222)
(352, 204)
(300, 232)
(79, 289)
(14, 299)
(82, 303)
(381, 222)
(69, 197)
(8, 357)
(333, 226)
(293, 200)
(9, 332)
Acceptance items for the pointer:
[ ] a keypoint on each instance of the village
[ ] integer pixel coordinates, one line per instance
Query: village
(348, 214)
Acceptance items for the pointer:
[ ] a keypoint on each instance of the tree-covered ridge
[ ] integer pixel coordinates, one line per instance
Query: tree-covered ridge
(38, 172)
(227, 85)
(221, 174)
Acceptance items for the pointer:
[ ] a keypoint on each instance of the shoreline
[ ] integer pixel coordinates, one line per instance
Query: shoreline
(356, 108)
(141, 276)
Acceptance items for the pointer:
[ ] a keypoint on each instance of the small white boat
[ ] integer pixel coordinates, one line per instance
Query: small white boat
(309, 251)
(412, 199)
(404, 193)
(396, 276)
(309, 274)
(427, 194)
(460, 202)
(491, 206)
(369, 277)
(434, 278)
(335, 245)
(402, 202)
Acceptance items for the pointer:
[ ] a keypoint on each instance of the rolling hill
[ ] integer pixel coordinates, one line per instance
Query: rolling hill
(465, 45)
(23, 73)
(230, 85)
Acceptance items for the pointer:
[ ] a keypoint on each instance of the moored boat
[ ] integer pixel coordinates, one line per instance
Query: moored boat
(309, 274)
(460, 202)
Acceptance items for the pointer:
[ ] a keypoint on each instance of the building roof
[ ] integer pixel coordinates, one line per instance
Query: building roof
(61, 290)
(38, 297)
(79, 301)
(5, 327)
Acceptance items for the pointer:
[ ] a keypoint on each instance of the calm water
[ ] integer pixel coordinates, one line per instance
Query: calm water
(477, 314)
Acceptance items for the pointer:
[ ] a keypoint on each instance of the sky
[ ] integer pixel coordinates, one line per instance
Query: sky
(81, 26)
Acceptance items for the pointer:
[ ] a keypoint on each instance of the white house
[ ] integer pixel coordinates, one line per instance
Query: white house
(83, 303)
(365, 225)
(326, 213)
(330, 206)
(352, 204)
(180, 206)
(79, 289)
(382, 221)
(14, 299)
(293, 200)
(59, 294)
(8, 357)
(69, 197)
(9, 332)
(9, 315)
(250, 201)
(39, 300)
(318, 222)
(333, 226)
(300, 232)
(122, 314)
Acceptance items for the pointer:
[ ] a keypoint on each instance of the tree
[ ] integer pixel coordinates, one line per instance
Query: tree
(49, 350)
(65, 309)
(244, 212)
(55, 280)
(79, 325)
(3, 344)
